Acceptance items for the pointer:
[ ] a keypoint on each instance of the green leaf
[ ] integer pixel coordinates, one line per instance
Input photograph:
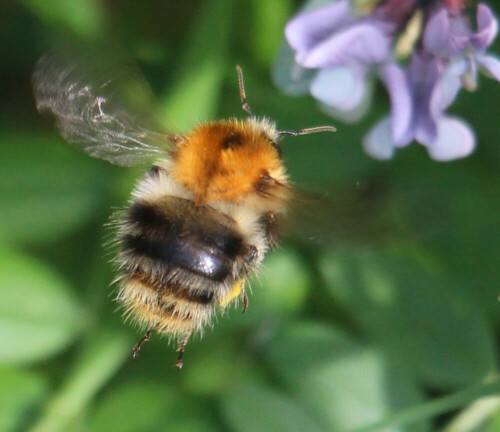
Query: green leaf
(454, 208)
(150, 405)
(255, 408)
(188, 414)
(103, 354)
(293, 349)
(20, 392)
(84, 17)
(132, 407)
(210, 368)
(47, 189)
(39, 315)
(282, 284)
(354, 391)
(344, 384)
(420, 318)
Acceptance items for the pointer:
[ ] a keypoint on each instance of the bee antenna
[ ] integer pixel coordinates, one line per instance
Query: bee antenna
(243, 96)
(308, 131)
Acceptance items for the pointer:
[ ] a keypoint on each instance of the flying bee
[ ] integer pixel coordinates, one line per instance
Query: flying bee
(202, 218)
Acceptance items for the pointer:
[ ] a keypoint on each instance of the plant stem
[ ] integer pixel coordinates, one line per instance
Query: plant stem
(438, 406)
(99, 360)
(471, 418)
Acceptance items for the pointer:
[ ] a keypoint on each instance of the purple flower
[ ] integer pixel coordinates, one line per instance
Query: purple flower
(348, 49)
(445, 138)
(344, 49)
(332, 37)
(451, 38)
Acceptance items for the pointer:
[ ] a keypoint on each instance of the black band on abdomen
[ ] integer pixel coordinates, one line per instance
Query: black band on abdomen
(184, 253)
(178, 235)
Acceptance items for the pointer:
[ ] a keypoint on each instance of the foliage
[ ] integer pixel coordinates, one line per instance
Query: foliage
(382, 315)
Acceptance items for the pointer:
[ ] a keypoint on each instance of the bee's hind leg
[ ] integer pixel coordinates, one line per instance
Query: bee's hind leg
(245, 300)
(180, 349)
(145, 338)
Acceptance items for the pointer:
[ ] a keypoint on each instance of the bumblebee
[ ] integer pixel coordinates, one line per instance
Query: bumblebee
(203, 217)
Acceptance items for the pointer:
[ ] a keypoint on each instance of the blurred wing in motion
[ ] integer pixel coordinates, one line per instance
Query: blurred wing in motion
(359, 213)
(92, 110)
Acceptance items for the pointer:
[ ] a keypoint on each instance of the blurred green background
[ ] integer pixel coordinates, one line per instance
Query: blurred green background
(382, 316)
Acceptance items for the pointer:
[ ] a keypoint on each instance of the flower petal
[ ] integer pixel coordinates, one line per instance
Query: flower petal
(437, 34)
(394, 79)
(447, 87)
(308, 29)
(378, 143)
(446, 36)
(354, 115)
(490, 66)
(423, 76)
(487, 26)
(363, 42)
(343, 88)
(455, 140)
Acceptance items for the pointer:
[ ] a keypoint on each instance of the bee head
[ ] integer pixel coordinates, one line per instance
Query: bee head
(231, 160)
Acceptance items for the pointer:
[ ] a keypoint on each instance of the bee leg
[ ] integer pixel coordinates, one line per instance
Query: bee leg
(138, 345)
(245, 300)
(180, 349)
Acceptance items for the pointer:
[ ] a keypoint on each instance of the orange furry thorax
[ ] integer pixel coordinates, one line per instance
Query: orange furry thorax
(227, 161)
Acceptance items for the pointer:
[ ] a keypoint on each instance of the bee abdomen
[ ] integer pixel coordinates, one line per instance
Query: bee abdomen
(168, 310)
(185, 253)
(174, 236)
(170, 292)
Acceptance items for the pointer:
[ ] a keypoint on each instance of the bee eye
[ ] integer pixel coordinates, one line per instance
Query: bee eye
(232, 140)
(264, 183)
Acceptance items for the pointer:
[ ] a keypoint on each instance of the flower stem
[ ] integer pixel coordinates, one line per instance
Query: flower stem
(471, 418)
(438, 406)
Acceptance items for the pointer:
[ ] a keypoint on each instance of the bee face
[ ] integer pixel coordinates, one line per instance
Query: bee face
(230, 161)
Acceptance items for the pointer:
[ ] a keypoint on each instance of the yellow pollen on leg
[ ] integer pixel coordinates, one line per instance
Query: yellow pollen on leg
(235, 292)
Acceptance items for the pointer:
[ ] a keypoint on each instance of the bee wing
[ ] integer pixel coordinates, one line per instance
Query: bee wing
(360, 213)
(93, 112)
